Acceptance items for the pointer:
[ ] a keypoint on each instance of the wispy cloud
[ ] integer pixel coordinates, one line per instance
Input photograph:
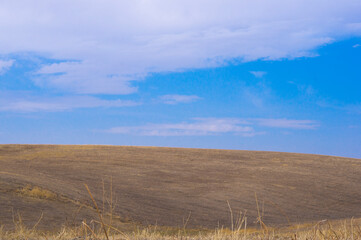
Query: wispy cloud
(356, 45)
(56, 104)
(260, 95)
(288, 123)
(254, 96)
(175, 99)
(198, 127)
(258, 74)
(5, 65)
(304, 90)
(352, 108)
(115, 42)
(83, 78)
(213, 126)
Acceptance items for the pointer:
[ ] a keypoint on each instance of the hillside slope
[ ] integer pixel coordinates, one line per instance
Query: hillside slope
(166, 185)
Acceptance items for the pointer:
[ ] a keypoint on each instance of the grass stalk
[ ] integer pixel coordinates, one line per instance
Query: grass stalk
(96, 207)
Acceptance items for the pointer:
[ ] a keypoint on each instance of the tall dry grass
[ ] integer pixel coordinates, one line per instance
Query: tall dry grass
(325, 230)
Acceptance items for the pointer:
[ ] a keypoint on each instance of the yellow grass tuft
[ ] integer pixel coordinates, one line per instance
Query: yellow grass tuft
(37, 192)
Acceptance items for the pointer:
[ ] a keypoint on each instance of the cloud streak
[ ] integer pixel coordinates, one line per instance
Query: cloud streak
(288, 123)
(108, 44)
(198, 127)
(57, 104)
(175, 99)
(213, 126)
(258, 74)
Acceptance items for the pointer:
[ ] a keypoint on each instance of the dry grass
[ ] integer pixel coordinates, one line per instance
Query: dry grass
(347, 229)
(37, 192)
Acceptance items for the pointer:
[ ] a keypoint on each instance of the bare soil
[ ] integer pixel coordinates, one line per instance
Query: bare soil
(164, 186)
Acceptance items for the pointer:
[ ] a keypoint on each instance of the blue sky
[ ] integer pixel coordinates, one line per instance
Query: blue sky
(243, 75)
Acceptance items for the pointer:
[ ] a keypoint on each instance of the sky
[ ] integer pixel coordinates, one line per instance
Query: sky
(281, 75)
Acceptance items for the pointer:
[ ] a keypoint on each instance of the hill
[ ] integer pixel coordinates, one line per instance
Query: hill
(165, 186)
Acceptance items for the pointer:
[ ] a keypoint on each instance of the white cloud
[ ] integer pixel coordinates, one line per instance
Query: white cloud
(198, 127)
(56, 104)
(288, 123)
(213, 126)
(5, 65)
(258, 74)
(84, 78)
(115, 42)
(174, 99)
(356, 45)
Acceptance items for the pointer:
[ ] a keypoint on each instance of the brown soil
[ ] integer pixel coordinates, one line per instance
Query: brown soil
(164, 186)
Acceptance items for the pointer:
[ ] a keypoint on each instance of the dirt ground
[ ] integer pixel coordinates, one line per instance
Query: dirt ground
(165, 186)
